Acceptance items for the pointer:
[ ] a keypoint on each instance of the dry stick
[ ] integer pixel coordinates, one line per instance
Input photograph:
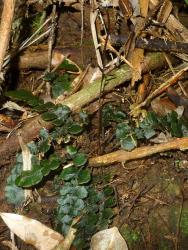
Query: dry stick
(123, 156)
(111, 48)
(5, 28)
(162, 88)
(93, 18)
(31, 129)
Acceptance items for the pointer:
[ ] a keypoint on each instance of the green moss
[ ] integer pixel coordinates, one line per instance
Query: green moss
(132, 236)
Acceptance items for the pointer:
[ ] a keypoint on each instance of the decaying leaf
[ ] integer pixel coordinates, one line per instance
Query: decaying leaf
(144, 7)
(32, 231)
(13, 106)
(9, 244)
(136, 60)
(143, 88)
(126, 8)
(165, 11)
(109, 239)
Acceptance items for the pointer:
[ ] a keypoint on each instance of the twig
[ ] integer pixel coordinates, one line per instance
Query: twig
(111, 48)
(124, 156)
(5, 28)
(161, 88)
(31, 40)
(82, 21)
(93, 17)
(173, 71)
(51, 37)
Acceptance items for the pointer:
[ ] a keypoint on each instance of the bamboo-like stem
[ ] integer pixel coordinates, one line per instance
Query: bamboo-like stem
(5, 28)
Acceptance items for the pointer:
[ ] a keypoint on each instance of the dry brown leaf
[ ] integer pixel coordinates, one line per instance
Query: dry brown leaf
(109, 239)
(126, 8)
(164, 12)
(136, 60)
(143, 88)
(9, 244)
(32, 231)
(144, 7)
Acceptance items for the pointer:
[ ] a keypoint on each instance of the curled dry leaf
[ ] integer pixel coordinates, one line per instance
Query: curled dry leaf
(126, 8)
(32, 231)
(9, 244)
(137, 60)
(108, 239)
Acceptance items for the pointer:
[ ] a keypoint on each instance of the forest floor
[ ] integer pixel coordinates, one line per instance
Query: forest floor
(151, 193)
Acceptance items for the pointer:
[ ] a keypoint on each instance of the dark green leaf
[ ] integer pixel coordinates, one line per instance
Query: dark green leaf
(112, 114)
(108, 191)
(68, 173)
(84, 176)
(44, 107)
(68, 200)
(149, 132)
(81, 192)
(92, 219)
(110, 202)
(84, 117)
(119, 116)
(29, 178)
(67, 190)
(139, 133)
(62, 110)
(66, 219)
(79, 205)
(51, 164)
(54, 161)
(50, 77)
(43, 133)
(68, 66)
(107, 213)
(64, 209)
(60, 85)
(71, 150)
(33, 148)
(45, 167)
(128, 143)
(80, 159)
(75, 129)
(14, 195)
(25, 96)
(175, 124)
(123, 130)
(49, 116)
(44, 146)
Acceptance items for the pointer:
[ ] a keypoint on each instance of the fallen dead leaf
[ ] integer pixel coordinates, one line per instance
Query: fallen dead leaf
(32, 231)
(109, 239)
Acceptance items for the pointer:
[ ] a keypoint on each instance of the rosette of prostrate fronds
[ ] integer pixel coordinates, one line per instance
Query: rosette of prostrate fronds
(78, 196)
(129, 135)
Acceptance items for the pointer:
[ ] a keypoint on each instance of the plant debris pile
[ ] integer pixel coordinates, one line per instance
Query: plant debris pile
(94, 124)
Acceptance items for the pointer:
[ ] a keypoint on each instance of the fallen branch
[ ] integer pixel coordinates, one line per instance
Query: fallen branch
(76, 101)
(5, 28)
(150, 44)
(124, 156)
